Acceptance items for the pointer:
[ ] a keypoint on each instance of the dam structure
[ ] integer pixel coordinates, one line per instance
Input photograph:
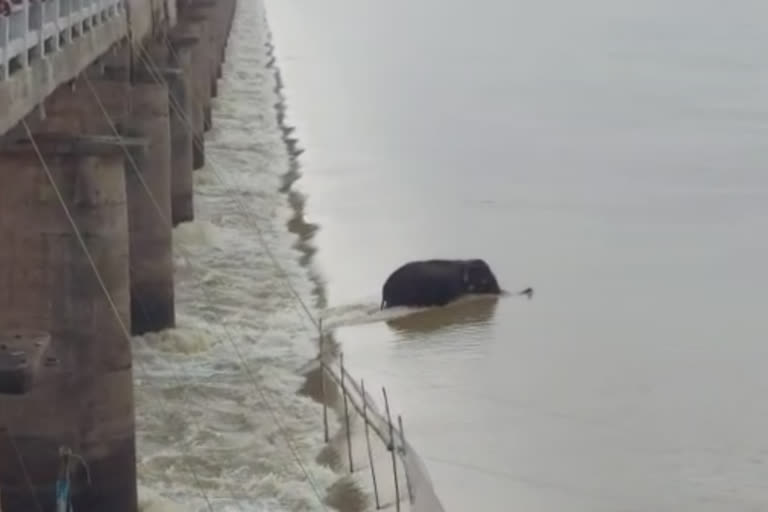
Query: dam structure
(103, 109)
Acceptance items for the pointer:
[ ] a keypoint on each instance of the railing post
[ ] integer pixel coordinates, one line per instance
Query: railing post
(67, 28)
(84, 8)
(24, 57)
(322, 385)
(368, 443)
(346, 414)
(5, 29)
(402, 442)
(40, 22)
(392, 448)
(56, 24)
(74, 12)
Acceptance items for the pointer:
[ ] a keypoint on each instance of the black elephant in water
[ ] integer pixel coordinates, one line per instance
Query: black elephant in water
(437, 282)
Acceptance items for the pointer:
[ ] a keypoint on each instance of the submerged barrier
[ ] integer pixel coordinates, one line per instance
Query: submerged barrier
(407, 474)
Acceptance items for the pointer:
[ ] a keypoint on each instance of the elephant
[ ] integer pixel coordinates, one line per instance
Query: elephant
(436, 282)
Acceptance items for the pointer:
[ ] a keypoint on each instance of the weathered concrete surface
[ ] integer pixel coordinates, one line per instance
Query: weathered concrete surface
(196, 23)
(149, 211)
(187, 54)
(220, 14)
(85, 402)
(115, 64)
(182, 152)
(203, 18)
(149, 17)
(28, 87)
(94, 105)
(21, 358)
(89, 106)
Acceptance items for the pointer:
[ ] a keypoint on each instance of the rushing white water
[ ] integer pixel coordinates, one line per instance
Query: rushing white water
(219, 419)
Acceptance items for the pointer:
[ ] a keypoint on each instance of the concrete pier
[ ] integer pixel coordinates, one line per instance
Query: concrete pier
(182, 150)
(196, 22)
(95, 105)
(149, 210)
(84, 402)
(216, 16)
(222, 16)
(188, 55)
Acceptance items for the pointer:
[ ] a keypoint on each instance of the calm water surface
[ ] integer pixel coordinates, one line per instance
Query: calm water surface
(614, 156)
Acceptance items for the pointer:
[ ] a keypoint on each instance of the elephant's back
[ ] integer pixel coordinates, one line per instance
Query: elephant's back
(427, 274)
(428, 282)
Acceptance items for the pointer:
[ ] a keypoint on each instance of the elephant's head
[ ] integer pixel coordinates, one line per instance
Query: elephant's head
(478, 277)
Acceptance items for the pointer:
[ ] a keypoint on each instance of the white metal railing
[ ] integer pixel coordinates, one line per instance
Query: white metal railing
(31, 29)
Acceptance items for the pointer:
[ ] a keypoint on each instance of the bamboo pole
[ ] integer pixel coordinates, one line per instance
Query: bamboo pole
(368, 442)
(392, 449)
(322, 382)
(402, 441)
(346, 414)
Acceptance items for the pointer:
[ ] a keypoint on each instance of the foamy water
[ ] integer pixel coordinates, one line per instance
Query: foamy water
(219, 421)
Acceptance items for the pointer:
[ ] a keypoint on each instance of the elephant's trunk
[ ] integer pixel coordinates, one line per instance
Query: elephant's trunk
(527, 292)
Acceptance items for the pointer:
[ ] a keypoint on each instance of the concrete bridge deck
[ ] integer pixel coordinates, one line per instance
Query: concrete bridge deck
(45, 43)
